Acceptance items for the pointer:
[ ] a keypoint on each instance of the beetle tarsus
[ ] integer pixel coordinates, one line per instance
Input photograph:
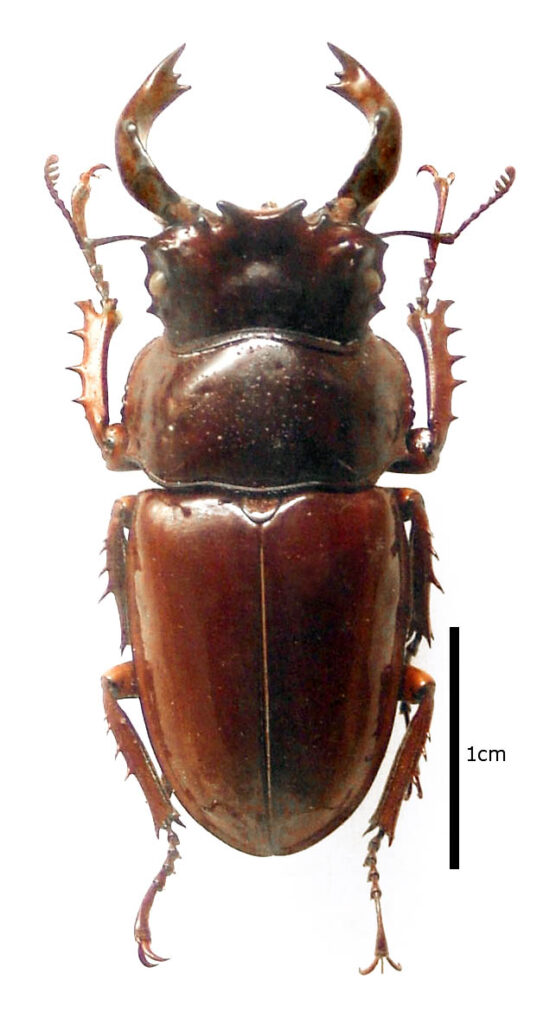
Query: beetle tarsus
(382, 952)
(76, 219)
(417, 688)
(79, 199)
(442, 189)
(119, 684)
(435, 238)
(146, 954)
(424, 444)
(142, 925)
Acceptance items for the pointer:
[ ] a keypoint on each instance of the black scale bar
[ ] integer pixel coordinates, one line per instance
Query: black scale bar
(454, 747)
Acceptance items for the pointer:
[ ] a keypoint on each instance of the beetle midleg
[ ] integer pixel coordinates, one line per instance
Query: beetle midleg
(421, 554)
(116, 548)
(119, 684)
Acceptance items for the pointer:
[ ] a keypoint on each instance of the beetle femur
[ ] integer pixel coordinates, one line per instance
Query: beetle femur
(354, 202)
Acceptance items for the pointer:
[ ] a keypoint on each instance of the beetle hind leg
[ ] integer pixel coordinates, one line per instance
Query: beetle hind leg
(142, 929)
(382, 952)
(422, 575)
(118, 684)
(417, 688)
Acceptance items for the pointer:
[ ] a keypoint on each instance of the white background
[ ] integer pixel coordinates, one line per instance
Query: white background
(280, 940)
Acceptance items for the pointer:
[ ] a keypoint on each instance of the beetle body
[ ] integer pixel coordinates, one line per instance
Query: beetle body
(270, 593)
(269, 663)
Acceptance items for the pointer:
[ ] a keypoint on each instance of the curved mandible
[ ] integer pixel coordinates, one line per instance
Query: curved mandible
(138, 172)
(374, 172)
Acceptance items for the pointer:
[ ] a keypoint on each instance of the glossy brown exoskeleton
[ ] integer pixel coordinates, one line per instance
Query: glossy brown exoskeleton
(270, 594)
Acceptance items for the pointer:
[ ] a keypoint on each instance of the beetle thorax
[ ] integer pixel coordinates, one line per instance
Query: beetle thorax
(271, 268)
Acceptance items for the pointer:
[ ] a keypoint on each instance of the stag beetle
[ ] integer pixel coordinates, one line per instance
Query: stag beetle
(269, 591)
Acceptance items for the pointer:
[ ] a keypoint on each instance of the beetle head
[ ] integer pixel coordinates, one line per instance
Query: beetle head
(270, 268)
(210, 273)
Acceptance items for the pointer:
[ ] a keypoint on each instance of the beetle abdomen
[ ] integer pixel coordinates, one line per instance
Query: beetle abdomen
(263, 409)
(268, 641)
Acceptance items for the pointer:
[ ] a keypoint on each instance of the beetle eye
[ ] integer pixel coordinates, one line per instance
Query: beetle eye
(157, 284)
(373, 281)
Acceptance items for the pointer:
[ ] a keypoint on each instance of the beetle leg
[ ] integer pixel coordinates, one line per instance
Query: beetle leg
(142, 929)
(424, 444)
(421, 554)
(417, 688)
(96, 334)
(116, 547)
(98, 327)
(118, 684)
(382, 952)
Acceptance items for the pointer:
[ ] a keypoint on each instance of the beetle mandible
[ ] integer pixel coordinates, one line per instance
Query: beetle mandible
(270, 594)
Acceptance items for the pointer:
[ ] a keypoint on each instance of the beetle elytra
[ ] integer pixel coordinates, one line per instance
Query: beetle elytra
(271, 596)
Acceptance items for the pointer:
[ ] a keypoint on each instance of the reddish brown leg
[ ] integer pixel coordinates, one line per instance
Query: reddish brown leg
(118, 684)
(424, 444)
(417, 688)
(116, 547)
(382, 952)
(421, 554)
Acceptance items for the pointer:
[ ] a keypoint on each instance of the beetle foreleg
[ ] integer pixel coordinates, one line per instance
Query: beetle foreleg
(118, 684)
(424, 444)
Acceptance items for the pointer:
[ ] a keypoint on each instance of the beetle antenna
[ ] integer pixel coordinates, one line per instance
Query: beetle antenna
(118, 238)
(51, 175)
(502, 186)
(442, 187)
